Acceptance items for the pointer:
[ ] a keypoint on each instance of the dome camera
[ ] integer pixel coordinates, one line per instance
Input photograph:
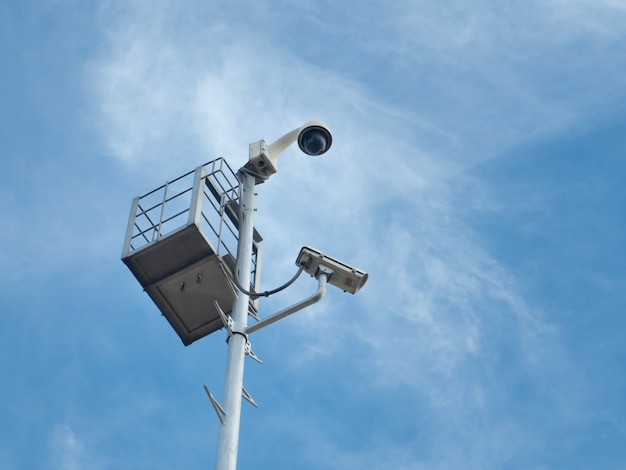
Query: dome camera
(314, 138)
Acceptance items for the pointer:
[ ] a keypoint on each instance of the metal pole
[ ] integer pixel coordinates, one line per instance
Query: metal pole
(228, 440)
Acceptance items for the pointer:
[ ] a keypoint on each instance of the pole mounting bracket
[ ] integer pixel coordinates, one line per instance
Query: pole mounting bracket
(219, 411)
(226, 319)
(249, 352)
(246, 395)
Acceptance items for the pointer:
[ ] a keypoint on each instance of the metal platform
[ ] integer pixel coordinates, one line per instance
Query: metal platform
(181, 242)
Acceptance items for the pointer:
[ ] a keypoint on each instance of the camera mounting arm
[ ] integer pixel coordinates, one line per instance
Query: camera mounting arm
(278, 147)
(323, 274)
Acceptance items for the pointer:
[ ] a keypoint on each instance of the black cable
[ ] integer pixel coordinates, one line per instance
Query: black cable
(262, 294)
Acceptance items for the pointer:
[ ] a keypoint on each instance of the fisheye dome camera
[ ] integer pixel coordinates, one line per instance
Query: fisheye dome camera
(314, 138)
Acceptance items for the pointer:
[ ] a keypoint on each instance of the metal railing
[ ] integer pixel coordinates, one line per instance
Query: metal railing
(207, 196)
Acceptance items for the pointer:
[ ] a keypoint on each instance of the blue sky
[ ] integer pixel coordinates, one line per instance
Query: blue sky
(477, 174)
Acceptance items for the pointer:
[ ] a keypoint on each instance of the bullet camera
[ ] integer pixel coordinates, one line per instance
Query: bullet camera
(314, 138)
(339, 274)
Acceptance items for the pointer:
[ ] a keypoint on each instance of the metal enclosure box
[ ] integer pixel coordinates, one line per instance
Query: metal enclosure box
(181, 241)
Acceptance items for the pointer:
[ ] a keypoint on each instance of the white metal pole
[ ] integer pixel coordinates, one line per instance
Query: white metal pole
(228, 440)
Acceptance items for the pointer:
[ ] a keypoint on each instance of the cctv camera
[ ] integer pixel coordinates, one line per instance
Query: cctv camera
(314, 138)
(339, 274)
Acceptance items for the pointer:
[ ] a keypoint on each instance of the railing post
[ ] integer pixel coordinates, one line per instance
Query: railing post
(197, 191)
(130, 227)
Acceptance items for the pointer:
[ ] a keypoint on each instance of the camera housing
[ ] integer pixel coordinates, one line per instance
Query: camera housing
(313, 137)
(341, 275)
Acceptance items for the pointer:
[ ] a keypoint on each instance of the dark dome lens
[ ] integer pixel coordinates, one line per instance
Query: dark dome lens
(314, 142)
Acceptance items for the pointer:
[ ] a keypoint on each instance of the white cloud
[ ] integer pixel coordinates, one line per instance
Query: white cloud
(163, 89)
(493, 74)
(158, 93)
(601, 20)
(68, 452)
